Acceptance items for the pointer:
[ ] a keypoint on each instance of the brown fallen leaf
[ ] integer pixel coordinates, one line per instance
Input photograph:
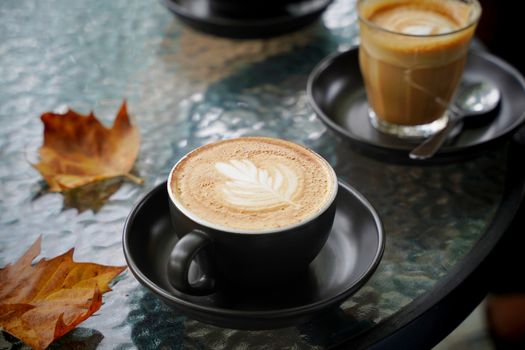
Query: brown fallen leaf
(78, 149)
(40, 303)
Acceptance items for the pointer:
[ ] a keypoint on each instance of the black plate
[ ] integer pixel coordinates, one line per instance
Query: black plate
(199, 15)
(336, 92)
(345, 263)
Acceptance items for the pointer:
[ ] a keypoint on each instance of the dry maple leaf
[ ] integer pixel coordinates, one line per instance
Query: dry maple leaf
(42, 302)
(78, 149)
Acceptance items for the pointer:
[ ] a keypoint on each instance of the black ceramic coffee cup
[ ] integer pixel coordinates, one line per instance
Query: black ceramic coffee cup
(250, 259)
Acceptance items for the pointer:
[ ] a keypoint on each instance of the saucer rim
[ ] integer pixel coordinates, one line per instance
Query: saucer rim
(447, 152)
(297, 311)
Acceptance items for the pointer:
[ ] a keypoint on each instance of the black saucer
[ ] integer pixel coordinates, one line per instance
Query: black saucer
(200, 15)
(336, 92)
(348, 259)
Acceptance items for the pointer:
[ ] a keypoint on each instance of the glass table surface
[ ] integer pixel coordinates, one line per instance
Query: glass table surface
(185, 89)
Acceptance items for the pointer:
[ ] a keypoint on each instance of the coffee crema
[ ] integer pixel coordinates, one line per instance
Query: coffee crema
(253, 183)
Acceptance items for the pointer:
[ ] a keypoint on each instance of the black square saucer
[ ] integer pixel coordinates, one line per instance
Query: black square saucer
(348, 259)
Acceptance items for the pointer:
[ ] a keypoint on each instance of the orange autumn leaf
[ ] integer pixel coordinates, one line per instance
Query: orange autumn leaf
(40, 303)
(78, 149)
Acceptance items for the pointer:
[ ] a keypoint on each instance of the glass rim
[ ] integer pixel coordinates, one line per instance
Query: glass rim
(471, 23)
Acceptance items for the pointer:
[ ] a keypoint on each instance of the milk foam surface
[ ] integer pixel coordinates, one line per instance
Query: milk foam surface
(411, 20)
(253, 183)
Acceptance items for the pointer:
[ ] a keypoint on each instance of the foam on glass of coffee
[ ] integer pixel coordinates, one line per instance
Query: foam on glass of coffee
(259, 209)
(411, 56)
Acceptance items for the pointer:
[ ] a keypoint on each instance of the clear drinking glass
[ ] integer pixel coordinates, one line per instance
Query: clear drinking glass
(411, 56)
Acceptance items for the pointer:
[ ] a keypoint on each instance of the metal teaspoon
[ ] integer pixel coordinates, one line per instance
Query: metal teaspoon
(473, 99)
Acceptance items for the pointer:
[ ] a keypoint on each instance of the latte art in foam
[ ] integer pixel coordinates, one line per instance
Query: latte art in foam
(252, 184)
(252, 187)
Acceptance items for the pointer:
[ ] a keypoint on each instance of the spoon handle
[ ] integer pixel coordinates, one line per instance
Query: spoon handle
(431, 145)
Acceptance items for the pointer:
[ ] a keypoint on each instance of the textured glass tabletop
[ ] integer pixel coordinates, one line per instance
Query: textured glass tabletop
(185, 89)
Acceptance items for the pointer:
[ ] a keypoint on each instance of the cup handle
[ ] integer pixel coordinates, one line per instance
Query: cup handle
(183, 253)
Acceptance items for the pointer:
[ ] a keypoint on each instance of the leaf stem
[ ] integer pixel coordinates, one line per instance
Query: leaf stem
(135, 179)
